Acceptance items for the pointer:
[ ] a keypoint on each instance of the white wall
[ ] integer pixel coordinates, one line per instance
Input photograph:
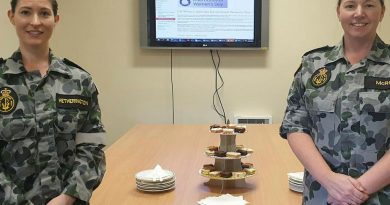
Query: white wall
(102, 36)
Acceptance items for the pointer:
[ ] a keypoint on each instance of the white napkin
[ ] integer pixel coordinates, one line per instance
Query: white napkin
(225, 199)
(158, 173)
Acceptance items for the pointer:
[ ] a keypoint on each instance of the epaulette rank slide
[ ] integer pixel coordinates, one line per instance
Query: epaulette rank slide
(299, 69)
(324, 48)
(70, 63)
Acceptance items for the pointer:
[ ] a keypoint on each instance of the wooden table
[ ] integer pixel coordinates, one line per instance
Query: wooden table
(180, 148)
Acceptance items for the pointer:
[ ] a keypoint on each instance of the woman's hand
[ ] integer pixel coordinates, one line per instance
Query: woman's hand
(344, 190)
(333, 201)
(62, 199)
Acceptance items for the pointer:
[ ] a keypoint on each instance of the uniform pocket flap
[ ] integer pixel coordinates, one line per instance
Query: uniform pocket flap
(322, 105)
(375, 102)
(16, 128)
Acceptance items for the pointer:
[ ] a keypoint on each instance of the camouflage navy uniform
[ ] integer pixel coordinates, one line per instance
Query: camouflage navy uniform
(346, 110)
(51, 136)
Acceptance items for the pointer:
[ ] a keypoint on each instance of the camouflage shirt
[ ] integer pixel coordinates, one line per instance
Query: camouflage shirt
(51, 136)
(346, 110)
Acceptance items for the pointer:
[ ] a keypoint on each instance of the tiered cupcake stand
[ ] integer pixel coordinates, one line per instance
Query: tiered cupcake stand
(228, 164)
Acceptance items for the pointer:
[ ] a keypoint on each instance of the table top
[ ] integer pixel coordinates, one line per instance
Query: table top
(181, 149)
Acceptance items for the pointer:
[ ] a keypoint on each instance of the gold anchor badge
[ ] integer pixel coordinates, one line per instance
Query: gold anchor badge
(7, 100)
(320, 77)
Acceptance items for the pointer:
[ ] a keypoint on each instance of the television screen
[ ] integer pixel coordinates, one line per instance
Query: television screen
(210, 24)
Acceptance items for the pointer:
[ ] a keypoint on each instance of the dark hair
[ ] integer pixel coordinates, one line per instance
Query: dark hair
(382, 3)
(54, 6)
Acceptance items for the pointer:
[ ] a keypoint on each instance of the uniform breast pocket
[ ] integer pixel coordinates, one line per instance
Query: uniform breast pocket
(321, 110)
(17, 128)
(18, 136)
(70, 120)
(375, 119)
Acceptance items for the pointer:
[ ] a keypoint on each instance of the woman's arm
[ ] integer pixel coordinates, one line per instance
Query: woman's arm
(377, 176)
(62, 199)
(89, 165)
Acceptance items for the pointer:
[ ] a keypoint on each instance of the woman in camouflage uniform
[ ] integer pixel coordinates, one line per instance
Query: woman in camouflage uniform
(337, 120)
(51, 135)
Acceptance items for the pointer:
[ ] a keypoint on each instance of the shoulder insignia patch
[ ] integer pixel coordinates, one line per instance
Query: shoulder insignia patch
(2, 60)
(320, 77)
(324, 48)
(70, 63)
(8, 100)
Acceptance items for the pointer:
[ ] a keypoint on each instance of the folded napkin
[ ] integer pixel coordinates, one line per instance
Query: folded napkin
(225, 199)
(158, 173)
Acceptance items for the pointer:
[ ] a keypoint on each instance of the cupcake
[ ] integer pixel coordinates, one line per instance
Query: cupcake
(220, 153)
(225, 174)
(250, 171)
(235, 155)
(238, 175)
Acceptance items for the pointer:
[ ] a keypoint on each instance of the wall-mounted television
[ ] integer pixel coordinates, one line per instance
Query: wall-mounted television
(204, 24)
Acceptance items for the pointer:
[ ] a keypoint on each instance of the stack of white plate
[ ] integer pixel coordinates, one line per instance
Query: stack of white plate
(295, 181)
(155, 180)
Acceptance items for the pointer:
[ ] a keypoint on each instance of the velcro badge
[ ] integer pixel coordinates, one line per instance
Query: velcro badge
(8, 100)
(376, 83)
(73, 101)
(320, 77)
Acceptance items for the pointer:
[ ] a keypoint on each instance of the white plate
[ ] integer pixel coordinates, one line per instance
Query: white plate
(156, 184)
(150, 175)
(166, 180)
(171, 180)
(295, 182)
(299, 190)
(155, 187)
(296, 188)
(298, 176)
(155, 190)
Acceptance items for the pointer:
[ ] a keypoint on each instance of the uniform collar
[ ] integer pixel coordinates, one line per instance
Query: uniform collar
(337, 53)
(58, 66)
(380, 52)
(14, 64)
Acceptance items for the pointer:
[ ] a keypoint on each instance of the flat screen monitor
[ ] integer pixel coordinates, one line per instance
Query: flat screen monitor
(207, 24)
